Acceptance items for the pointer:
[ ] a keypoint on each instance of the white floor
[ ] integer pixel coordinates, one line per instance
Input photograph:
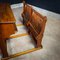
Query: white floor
(50, 42)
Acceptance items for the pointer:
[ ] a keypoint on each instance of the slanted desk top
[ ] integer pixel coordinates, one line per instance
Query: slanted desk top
(6, 14)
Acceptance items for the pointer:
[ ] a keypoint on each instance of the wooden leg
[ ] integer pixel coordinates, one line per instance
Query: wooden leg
(3, 48)
(39, 41)
(38, 44)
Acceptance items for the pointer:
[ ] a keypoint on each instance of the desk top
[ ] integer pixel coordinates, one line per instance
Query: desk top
(6, 14)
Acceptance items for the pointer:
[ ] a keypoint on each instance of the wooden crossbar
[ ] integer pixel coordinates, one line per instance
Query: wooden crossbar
(21, 53)
(19, 35)
(19, 25)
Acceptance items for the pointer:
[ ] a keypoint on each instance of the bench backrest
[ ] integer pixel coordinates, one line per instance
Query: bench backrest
(35, 24)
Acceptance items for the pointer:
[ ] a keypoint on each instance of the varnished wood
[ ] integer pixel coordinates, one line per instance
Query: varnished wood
(7, 26)
(35, 22)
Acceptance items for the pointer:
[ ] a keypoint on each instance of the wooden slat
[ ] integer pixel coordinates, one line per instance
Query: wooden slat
(21, 53)
(19, 25)
(19, 35)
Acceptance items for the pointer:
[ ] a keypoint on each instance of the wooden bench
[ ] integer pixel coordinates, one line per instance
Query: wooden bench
(35, 23)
